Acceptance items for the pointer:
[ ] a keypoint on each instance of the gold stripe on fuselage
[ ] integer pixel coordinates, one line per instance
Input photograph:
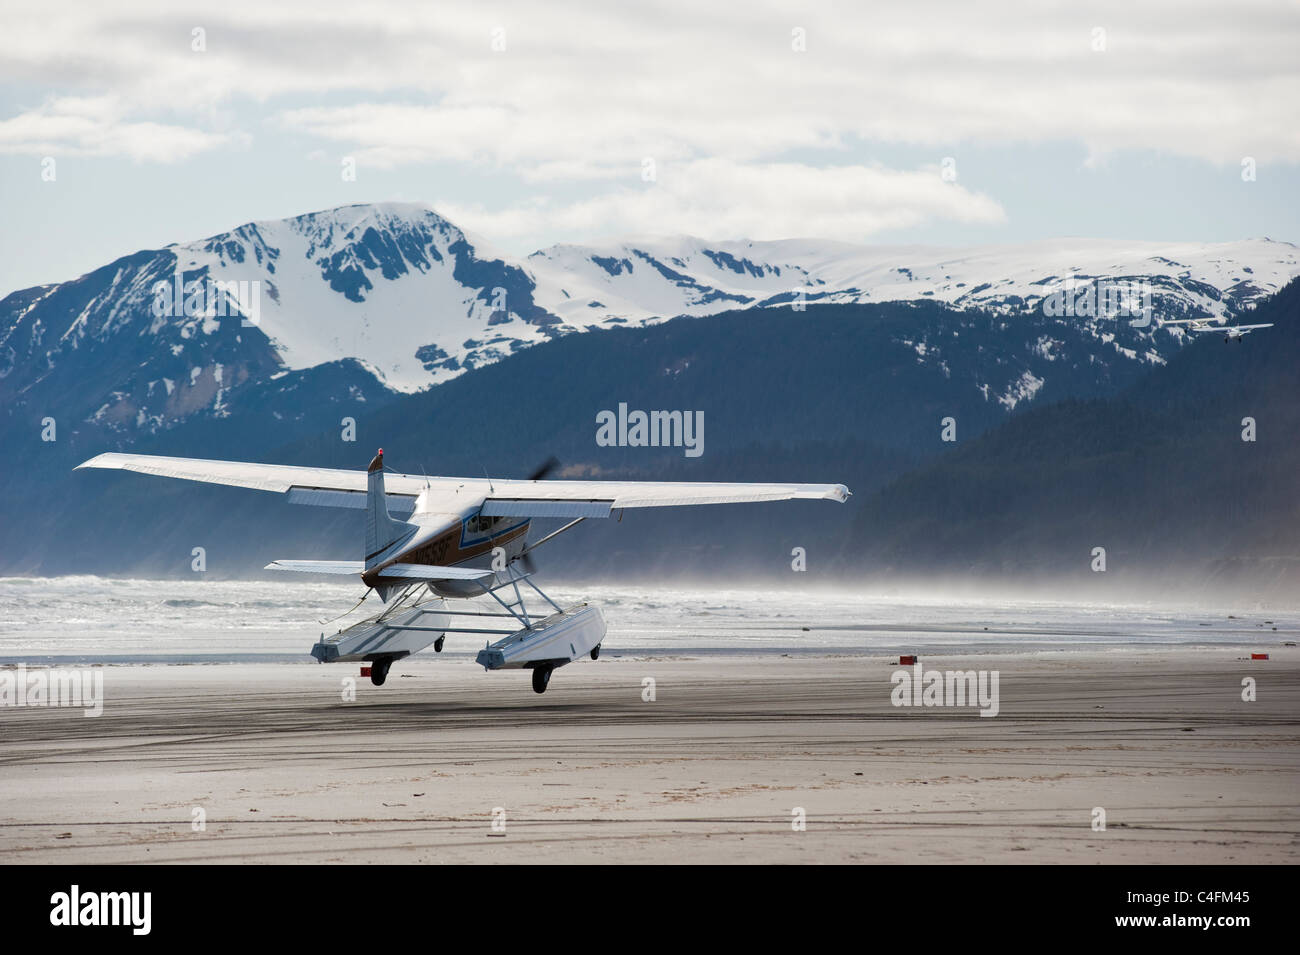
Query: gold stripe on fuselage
(446, 550)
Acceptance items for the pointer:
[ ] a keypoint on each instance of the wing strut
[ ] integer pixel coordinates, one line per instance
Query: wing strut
(536, 544)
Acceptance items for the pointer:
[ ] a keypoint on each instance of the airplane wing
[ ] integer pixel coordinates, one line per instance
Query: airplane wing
(1227, 328)
(339, 488)
(598, 498)
(325, 486)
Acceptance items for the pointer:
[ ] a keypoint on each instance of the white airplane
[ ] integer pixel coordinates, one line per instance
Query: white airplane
(462, 538)
(1230, 332)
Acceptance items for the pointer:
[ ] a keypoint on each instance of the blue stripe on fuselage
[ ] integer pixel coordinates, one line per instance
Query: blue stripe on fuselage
(467, 541)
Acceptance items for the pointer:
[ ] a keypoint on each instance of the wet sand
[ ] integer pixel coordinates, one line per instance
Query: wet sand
(711, 770)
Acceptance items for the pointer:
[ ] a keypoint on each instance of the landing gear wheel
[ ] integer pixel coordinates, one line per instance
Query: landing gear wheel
(541, 677)
(437, 644)
(379, 671)
(595, 652)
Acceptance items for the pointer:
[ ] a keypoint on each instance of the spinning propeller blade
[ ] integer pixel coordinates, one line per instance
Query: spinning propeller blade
(546, 467)
(539, 474)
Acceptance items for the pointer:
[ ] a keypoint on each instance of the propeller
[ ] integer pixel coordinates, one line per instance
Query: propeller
(539, 474)
(546, 467)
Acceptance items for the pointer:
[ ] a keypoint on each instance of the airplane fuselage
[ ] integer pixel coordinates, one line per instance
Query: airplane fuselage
(447, 538)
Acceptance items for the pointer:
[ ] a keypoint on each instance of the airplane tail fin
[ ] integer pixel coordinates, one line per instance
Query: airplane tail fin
(382, 532)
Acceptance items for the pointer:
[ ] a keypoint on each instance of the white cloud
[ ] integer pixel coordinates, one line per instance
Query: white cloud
(75, 126)
(579, 84)
(725, 199)
(715, 95)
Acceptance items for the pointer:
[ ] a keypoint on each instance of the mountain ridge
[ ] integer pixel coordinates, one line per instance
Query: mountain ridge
(1186, 476)
(418, 301)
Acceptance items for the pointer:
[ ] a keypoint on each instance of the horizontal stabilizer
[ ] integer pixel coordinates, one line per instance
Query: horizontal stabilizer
(408, 571)
(318, 566)
(434, 572)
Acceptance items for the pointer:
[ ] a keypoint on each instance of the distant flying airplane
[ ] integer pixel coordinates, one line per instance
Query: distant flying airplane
(1230, 332)
(464, 537)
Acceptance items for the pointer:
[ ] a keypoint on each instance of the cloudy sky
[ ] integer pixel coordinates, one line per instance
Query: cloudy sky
(128, 125)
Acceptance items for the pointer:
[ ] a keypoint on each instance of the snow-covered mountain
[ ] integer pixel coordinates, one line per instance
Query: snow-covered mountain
(635, 281)
(364, 301)
(393, 285)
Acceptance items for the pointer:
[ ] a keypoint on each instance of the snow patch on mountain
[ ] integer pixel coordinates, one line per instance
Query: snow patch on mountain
(375, 283)
(629, 282)
(1023, 389)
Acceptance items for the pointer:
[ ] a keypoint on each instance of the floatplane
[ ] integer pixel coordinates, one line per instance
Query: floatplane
(454, 539)
(1229, 332)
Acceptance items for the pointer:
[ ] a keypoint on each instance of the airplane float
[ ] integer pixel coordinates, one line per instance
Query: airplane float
(456, 538)
(1230, 332)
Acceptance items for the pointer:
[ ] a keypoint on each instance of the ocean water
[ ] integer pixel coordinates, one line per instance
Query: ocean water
(123, 620)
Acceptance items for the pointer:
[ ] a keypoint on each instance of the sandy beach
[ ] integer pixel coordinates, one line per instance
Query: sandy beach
(714, 769)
